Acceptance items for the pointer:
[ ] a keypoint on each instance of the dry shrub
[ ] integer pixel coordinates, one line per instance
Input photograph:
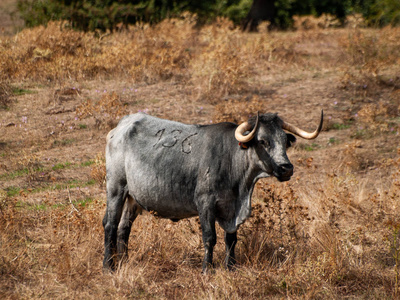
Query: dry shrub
(5, 95)
(106, 111)
(98, 169)
(165, 243)
(284, 52)
(277, 229)
(58, 40)
(163, 51)
(237, 111)
(216, 59)
(223, 66)
(373, 50)
(312, 22)
(393, 222)
(353, 235)
(295, 52)
(323, 267)
(378, 118)
(373, 113)
(53, 53)
(330, 259)
(47, 53)
(354, 157)
(370, 53)
(60, 246)
(30, 163)
(65, 94)
(355, 21)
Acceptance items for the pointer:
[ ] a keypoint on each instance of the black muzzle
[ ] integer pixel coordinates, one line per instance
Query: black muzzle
(284, 172)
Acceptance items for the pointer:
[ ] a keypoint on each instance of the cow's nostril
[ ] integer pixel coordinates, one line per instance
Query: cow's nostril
(286, 168)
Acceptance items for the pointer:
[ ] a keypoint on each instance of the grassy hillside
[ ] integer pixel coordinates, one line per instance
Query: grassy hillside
(331, 232)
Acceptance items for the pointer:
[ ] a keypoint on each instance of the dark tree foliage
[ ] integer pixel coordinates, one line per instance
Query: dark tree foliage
(109, 14)
(280, 13)
(90, 15)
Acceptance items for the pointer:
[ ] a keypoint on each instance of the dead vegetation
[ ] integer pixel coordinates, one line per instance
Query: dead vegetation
(5, 95)
(332, 232)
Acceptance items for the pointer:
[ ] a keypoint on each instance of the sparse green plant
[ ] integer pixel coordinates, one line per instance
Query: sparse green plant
(308, 147)
(333, 141)
(64, 142)
(12, 191)
(312, 147)
(61, 166)
(18, 91)
(87, 163)
(338, 126)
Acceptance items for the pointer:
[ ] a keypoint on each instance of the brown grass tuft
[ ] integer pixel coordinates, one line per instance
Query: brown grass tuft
(370, 54)
(6, 97)
(98, 170)
(106, 112)
(238, 111)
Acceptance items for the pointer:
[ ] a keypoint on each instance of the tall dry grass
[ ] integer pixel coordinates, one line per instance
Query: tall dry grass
(324, 243)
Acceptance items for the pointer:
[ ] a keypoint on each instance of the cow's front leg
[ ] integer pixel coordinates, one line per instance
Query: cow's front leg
(230, 243)
(207, 220)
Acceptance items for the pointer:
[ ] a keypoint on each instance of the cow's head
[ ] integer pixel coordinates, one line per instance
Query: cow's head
(269, 140)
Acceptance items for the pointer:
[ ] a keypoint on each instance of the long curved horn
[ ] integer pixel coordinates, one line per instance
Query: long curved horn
(304, 134)
(242, 128)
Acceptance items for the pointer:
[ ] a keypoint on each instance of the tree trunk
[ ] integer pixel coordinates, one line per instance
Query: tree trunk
(261, 10)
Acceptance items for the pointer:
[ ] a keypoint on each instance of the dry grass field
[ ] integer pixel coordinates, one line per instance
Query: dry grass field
(332, 232)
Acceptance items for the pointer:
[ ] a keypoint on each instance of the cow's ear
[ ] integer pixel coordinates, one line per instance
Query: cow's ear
(291, 139)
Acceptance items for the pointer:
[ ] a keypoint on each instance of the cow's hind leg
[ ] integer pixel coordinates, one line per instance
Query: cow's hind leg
(116, 195)
(230, 243)
(130, 211)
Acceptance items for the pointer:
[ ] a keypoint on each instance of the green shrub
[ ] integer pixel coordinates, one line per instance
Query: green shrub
(384, 12)
(39, 12)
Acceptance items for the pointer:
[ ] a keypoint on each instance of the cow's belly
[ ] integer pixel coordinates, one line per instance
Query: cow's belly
(167, 199)
(163, 180)
(166, 207)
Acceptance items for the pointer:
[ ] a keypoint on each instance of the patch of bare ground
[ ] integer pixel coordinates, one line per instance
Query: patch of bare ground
(331, 232)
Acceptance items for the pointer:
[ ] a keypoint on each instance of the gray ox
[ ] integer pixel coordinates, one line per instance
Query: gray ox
(179, 171)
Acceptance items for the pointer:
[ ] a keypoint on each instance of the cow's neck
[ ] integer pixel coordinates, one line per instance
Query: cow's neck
(248, 168)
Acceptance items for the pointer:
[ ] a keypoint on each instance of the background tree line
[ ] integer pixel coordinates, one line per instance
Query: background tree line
(89, 15)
